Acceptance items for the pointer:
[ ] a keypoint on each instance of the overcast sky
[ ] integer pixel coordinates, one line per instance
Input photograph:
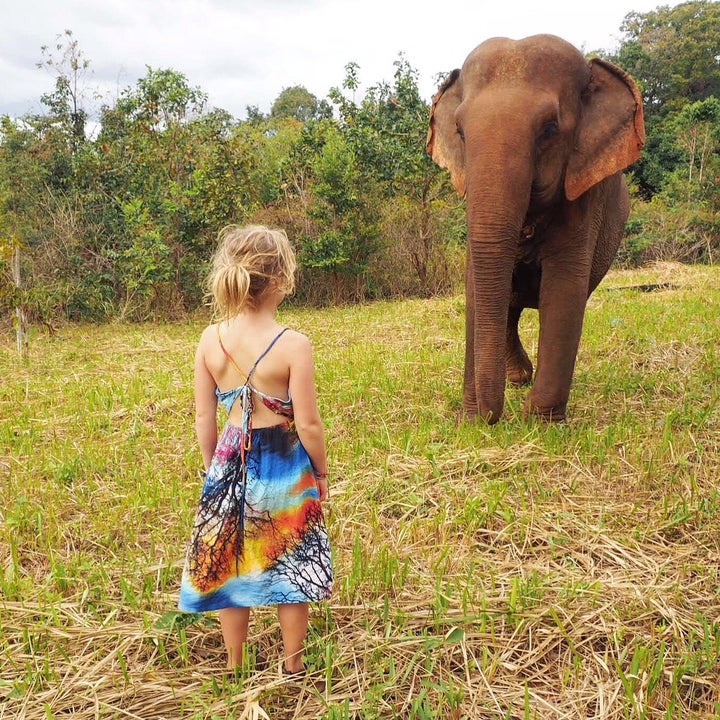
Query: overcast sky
(245, 52)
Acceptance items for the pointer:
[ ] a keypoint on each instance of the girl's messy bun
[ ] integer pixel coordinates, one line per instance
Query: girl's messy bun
(246, 261)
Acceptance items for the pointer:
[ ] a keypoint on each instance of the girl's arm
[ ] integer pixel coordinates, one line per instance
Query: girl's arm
(308, 423)
(205, 407)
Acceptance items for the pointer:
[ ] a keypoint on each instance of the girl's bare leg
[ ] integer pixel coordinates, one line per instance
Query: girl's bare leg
(234, 626)
(293, 619)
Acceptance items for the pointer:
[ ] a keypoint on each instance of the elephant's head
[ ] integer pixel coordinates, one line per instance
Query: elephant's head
(525, 127)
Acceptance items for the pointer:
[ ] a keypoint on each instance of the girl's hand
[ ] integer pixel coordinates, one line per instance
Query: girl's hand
(323, 488)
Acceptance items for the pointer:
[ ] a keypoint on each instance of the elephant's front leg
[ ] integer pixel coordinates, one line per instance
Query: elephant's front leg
(563, 295)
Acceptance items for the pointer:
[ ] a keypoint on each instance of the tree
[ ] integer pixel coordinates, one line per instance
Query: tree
(66, 102)
(155, 146)
(39, 159)
(161, 99)
(342, 243)
(421, 215)
(297, 102)
(336, 198)
(254, 115)
(698, 134)
(673, 53)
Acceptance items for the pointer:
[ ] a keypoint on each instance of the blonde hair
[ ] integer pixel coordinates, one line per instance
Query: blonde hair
(246, 261)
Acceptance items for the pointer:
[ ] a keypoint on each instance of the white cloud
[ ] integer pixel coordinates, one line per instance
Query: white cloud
(244, 52)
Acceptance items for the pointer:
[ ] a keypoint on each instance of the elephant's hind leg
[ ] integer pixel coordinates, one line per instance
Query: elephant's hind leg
(518, 368)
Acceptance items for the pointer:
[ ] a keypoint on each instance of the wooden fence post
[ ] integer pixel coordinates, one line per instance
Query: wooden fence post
(20, 314)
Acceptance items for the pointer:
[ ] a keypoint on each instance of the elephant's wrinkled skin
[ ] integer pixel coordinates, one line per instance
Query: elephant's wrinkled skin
(536, 138)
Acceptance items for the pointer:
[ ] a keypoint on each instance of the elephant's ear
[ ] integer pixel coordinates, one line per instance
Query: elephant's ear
(444, 143)
(612, 131)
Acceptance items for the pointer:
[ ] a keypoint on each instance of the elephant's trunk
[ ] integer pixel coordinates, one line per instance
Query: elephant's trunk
(497, 205)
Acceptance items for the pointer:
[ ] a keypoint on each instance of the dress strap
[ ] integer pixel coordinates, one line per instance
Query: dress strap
(229, 356)
(265, 352)
(255, 364)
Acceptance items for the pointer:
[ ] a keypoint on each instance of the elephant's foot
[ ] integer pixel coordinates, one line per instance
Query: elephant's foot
(479, 405)
(465, 415)
(518, 368)
(518, 373)
(550, 413)
(468, 412)
(474, 414)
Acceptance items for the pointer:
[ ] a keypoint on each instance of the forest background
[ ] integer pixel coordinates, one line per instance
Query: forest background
(115, 217)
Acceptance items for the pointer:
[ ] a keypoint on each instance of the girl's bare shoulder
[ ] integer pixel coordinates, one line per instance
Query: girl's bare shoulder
(297, 342)
(209, 332)
(208, 345)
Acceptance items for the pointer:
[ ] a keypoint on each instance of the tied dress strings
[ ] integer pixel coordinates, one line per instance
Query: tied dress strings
(259, 536)
(244, 393)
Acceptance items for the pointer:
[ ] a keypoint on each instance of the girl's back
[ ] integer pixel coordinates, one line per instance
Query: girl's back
(245, 344)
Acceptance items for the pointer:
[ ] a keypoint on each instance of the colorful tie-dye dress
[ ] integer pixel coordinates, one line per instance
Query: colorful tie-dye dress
(259, 536)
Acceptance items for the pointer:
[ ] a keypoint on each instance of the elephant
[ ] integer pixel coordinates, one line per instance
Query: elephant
(535, 138)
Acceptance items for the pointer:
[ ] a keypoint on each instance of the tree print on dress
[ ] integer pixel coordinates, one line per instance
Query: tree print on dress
(307, 567)
(259, 530)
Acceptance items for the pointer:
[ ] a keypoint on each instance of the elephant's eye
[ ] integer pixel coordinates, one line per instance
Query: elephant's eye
(549, 130)
(460, 132)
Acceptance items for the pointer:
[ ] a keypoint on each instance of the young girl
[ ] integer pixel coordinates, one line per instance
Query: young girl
(259, 536)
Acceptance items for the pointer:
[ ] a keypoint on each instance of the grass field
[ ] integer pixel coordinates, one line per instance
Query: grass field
(522, 570)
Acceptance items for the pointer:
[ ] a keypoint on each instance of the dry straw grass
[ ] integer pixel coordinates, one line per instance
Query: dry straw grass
(520, 571)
